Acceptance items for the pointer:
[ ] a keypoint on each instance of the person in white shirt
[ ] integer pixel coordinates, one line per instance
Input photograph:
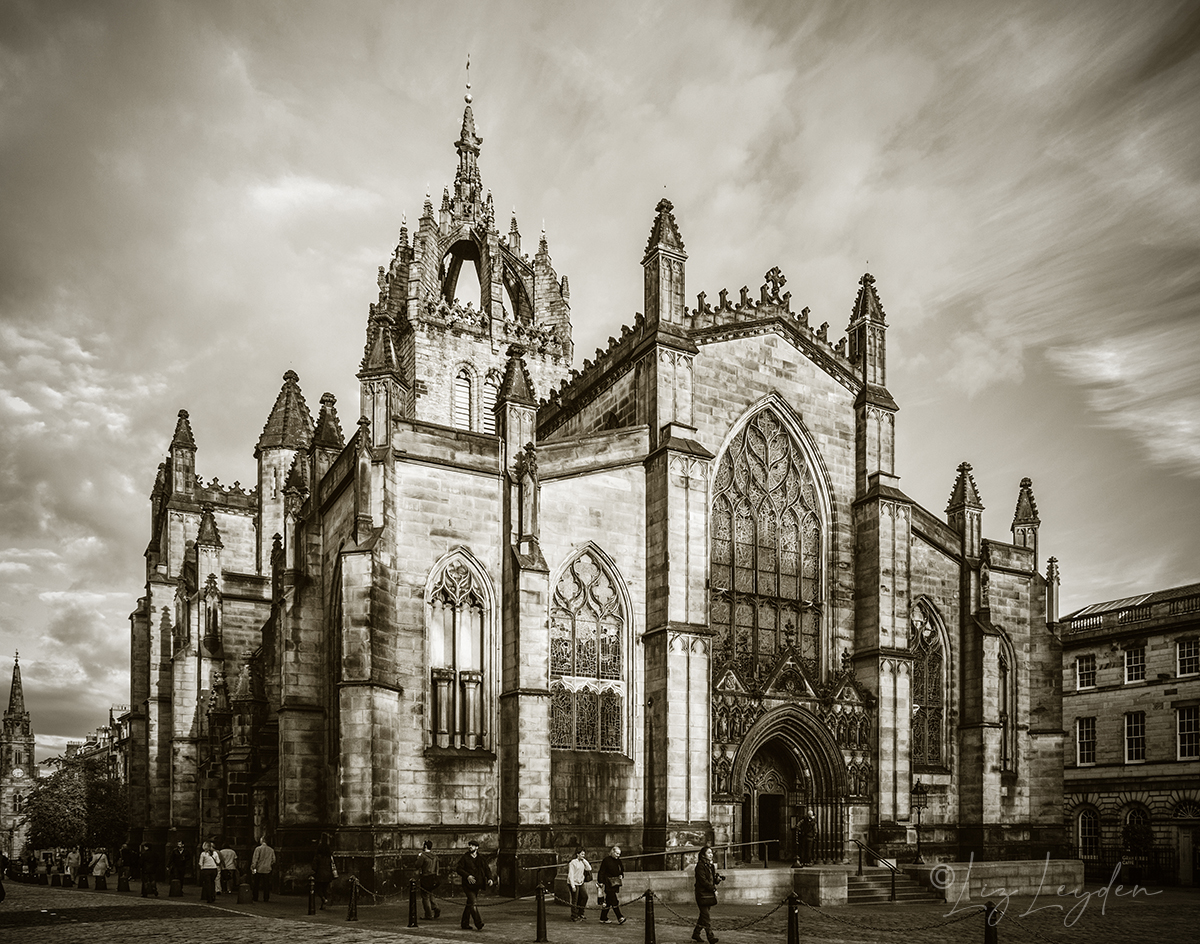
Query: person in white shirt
(579, 873)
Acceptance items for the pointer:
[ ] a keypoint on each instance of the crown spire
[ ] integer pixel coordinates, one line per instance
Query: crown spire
(290, 425)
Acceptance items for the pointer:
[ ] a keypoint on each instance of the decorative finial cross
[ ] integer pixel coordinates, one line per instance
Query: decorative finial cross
(468, 95)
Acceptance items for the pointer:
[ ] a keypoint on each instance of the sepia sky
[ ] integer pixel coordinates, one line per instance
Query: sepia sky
(194, 198)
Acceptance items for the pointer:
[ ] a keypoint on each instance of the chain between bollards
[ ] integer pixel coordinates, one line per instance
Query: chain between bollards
(352, 911)
(541, 914)
(412, 903)
(312, 894)
(650, 938)
(793, 927)
(991, 934)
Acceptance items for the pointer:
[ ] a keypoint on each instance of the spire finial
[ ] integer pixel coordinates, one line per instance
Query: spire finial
(467, 97)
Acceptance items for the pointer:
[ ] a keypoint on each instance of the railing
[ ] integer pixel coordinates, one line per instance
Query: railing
(1157, 865)
(1134, 614)
(878, 858)
(681, 851)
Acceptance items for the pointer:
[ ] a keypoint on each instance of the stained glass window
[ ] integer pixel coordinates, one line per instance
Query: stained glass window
(928, 690)
(766, 563)
(587, 670)
(456, 644)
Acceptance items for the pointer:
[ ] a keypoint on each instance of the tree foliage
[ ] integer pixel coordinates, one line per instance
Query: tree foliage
(78, 805)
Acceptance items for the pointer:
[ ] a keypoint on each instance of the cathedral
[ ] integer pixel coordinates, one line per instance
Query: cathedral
(672, 595)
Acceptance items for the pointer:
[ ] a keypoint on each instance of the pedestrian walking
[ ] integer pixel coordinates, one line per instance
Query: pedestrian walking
(99, 866)
(210, 868)
(228, 859)
(324, 871)
(261, 863)
(427, 881)
(178, 863)
(579, 873)
(707, 880)
(149, 861)
(475, 878)
(73, 861)
(610, 877)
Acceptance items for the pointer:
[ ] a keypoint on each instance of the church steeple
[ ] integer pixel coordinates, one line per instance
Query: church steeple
(663, 264)
(16, 694)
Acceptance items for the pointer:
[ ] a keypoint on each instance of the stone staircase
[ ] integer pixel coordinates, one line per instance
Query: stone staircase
(874, 886)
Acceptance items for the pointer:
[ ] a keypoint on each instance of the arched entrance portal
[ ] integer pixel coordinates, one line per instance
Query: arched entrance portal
(788, 764)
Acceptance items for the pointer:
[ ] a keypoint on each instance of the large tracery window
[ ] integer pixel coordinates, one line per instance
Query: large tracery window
(587, 664)
(766, 550)
(457, 618)
(928, 690)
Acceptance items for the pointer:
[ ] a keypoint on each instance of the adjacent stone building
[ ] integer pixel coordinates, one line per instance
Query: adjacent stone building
(17, 767)
(673, 595)
(1131, 701)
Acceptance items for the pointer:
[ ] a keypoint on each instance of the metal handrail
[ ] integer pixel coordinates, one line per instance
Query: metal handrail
(879, 859)
(669, 851)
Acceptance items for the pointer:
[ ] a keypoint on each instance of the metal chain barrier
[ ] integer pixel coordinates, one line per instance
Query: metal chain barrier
(691, 919)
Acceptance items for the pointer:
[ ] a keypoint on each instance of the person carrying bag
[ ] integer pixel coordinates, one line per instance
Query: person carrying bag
(707, 880)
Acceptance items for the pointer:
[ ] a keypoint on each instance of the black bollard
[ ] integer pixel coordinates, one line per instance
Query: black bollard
(541, 914)
(83, 880)
(56, 880)
(123, 882)
(412, 903)
(312, 894)
(793, 919)
(650, 938)
(991, 934)
(176, 888)
(352, 911)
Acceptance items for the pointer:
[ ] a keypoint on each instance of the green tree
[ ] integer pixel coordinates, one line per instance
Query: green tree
(56, 809)
(78, 805)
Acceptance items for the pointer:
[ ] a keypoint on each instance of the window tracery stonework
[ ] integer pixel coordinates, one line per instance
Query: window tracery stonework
(456, 644)
(587, 672)
(767, 550)
(928, 690)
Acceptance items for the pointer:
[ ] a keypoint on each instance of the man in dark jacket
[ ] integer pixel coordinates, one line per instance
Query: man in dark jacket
(475, 878)
(611, 876)
(428, 881)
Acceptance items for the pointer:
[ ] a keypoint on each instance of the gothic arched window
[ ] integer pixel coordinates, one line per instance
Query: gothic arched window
(927, 744)
(766, 567)
(458, 614)
(461, 406)
(491, 388)
(587, 659)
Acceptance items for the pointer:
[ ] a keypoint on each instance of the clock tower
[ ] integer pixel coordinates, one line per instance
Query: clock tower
(16, 766)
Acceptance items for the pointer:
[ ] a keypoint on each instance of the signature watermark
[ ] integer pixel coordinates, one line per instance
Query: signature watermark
(948, 878)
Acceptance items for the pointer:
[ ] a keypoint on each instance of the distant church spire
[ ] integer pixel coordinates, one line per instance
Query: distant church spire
(16, 695)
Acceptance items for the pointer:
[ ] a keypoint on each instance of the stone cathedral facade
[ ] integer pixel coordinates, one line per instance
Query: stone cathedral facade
(672, 595)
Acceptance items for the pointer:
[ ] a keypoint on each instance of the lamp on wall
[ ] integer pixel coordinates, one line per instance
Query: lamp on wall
(920, 797)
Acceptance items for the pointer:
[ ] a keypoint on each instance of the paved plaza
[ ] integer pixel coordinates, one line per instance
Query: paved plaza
(35, 914)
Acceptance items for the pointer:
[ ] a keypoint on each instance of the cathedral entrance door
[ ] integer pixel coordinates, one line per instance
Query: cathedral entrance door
(770, 825)
(788, 765)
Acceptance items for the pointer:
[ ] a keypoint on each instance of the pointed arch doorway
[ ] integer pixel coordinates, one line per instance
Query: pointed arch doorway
(789, 764)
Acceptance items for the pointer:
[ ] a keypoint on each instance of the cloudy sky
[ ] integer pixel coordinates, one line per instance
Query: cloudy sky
(195, 198)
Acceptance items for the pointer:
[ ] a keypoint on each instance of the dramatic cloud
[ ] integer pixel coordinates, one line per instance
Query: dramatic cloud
(198, 196)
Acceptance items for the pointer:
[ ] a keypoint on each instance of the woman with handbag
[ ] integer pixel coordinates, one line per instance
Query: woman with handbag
(611, 876)
(707, 880)
(579, 873)
(99, 867)
(210, 868)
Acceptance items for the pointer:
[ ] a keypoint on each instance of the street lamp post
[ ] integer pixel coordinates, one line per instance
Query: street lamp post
(920, 797)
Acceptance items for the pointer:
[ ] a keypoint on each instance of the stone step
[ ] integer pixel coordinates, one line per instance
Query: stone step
(875, 886)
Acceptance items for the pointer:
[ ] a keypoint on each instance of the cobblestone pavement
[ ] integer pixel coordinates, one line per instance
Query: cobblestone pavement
(36, 914)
